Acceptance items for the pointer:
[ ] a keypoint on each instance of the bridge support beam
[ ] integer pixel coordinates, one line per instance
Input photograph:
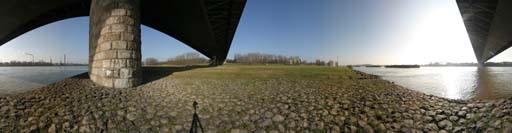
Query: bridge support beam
(214, 61)
(114, 43)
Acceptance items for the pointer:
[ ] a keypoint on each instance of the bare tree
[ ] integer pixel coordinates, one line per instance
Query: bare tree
(190, 58)
(259, 58)
(151, 61)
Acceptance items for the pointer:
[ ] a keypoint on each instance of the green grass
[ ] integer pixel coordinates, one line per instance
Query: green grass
(238, 71)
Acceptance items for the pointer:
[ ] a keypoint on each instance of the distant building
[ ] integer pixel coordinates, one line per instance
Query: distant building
(330, 63)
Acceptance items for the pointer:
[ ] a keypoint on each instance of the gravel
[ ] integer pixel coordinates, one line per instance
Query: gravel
(364, 104)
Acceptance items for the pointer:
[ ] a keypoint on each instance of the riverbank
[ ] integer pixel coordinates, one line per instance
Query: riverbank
(238, 98)
(15, 80)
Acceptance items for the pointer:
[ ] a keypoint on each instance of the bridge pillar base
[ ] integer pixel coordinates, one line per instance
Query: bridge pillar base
(114, 43)
(214, 61)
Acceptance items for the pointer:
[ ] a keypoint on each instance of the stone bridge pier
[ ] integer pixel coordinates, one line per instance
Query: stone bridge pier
(114, 43)
(207, 26)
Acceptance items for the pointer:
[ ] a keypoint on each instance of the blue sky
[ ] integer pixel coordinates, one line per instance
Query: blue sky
(362, 31)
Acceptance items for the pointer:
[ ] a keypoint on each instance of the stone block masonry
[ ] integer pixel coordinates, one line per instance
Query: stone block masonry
(115, 52)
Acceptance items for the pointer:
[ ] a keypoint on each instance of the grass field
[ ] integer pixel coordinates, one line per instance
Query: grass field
(237, 71)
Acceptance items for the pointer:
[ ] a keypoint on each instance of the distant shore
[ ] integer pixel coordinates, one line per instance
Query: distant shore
(402, 66)
(37, 65)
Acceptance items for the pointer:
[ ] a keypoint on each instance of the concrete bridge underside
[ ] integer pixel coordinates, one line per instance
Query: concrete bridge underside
(489, 26)
(207, 26)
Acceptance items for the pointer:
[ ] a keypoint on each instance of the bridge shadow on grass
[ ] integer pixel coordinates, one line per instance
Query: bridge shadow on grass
(152, 73)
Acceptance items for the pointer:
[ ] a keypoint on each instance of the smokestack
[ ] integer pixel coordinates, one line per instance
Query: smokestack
(30, 55)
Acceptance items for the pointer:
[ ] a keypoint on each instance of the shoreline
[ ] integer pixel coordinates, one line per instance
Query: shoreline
(466, 84)
(455, 100)
(358, 103)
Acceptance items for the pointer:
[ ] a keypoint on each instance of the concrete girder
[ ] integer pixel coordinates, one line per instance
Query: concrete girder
(489, 26)
(189, 21)
(207, 26)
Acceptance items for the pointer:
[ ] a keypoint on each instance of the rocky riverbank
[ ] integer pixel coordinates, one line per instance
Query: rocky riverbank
(356, 103)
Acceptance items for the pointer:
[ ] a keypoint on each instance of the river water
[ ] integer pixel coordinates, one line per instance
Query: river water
(451, 82)
(15, 80)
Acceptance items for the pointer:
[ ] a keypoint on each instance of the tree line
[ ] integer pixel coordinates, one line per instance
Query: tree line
(262, 58)
(192, 58)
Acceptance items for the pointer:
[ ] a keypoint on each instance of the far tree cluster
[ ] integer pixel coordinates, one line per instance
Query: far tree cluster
(193, 58)
(261, 58)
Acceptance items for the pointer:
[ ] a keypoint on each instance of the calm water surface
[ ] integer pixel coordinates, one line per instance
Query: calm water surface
(15, 80)
(451, 82)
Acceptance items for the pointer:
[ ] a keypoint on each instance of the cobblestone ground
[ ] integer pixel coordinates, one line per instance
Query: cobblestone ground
(359, 104)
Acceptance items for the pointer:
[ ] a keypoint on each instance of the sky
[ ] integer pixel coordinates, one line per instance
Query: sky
(355, 32)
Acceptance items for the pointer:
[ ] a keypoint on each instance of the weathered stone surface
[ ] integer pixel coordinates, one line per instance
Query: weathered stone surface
(454, 118)
(105, 64)
(119, 45)
(118, 28)
(282, 105)
(111, 73)
(116, 24)
(104, 46)
(108, 54)
(431, 127)
(106, 81)
(126, 36)
(126, 73)
(125, 54)
(119, 12)
(278, 118)
(445, 124)
(52, 129)
(109, 36)
(265, 122)
(119, 63)
(122, 83)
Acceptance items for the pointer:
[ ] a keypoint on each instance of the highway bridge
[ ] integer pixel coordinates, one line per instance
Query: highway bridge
(489, 26)
(207, 26)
